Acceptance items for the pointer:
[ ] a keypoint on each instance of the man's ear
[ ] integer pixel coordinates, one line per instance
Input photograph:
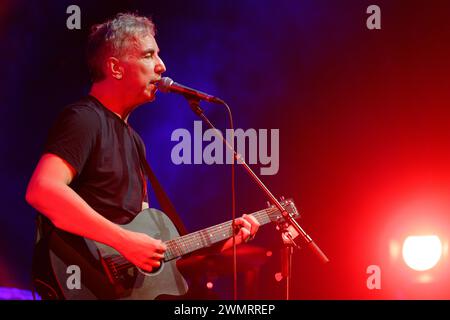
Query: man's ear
(114, 68)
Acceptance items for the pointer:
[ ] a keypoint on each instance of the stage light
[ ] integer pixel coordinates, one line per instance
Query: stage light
(278, 276)
(422, 253)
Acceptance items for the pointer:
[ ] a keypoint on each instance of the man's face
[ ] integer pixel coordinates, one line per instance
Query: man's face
(142, 68)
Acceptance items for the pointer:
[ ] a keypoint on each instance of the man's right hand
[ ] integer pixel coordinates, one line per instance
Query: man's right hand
(142, 250)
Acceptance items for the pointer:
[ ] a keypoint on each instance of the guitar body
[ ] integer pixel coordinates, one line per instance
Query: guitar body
(101, 277)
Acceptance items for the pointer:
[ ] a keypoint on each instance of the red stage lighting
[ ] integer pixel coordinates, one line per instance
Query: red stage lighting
(422, 252)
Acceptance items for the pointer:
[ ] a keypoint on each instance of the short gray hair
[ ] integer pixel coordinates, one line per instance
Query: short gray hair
(114, 38)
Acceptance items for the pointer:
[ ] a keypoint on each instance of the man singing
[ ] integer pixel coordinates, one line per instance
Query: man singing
(90, 180)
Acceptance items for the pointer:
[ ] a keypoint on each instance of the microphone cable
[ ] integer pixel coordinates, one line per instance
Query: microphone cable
(233, 201)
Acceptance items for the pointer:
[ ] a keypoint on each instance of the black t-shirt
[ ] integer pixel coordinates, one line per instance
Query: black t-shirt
(103, 149)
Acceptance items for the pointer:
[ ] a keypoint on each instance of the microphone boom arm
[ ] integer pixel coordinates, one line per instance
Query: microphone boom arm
(194, 103)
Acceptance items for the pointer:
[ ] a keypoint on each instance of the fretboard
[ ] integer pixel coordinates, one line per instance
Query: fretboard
(209, 236)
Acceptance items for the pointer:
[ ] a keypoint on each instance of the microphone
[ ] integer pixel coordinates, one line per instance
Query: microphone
(168, 85)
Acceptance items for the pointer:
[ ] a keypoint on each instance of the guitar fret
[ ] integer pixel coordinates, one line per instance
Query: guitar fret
(179, 249)
(169, 251)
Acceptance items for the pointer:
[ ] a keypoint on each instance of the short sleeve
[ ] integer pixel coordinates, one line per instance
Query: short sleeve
(140, 143)
(73, 136)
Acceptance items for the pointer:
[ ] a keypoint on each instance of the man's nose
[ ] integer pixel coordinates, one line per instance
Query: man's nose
(160, 67)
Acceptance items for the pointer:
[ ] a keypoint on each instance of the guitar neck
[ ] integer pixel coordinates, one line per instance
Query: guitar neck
(207, 237)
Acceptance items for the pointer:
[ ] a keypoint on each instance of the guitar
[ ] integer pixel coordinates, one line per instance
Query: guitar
(87, 269)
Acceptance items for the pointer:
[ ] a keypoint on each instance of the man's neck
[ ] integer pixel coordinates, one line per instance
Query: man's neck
(112, 99)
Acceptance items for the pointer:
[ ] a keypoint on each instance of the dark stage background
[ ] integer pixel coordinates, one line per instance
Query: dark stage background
(363, 115)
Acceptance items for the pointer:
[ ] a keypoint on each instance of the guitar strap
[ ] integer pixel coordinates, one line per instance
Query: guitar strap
(161, 195)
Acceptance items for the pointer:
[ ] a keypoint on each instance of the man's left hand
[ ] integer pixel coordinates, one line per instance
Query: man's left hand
(247, 226)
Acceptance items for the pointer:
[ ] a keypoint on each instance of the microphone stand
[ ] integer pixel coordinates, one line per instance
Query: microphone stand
(292, 229)
(286, 259)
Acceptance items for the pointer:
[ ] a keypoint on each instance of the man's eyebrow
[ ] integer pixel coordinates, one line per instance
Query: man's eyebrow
(147, 51)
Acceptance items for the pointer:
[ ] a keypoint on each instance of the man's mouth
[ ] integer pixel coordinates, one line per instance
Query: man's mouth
(153, 86)
(155, 82)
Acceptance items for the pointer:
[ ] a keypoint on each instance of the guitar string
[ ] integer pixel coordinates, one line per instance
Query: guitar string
(178, 248)
(173, 245)
(188, 240)
(216, 232)
(121, 263)
(184, 247)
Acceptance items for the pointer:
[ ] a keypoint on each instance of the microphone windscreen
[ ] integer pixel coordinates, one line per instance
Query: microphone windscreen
(164, 84)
